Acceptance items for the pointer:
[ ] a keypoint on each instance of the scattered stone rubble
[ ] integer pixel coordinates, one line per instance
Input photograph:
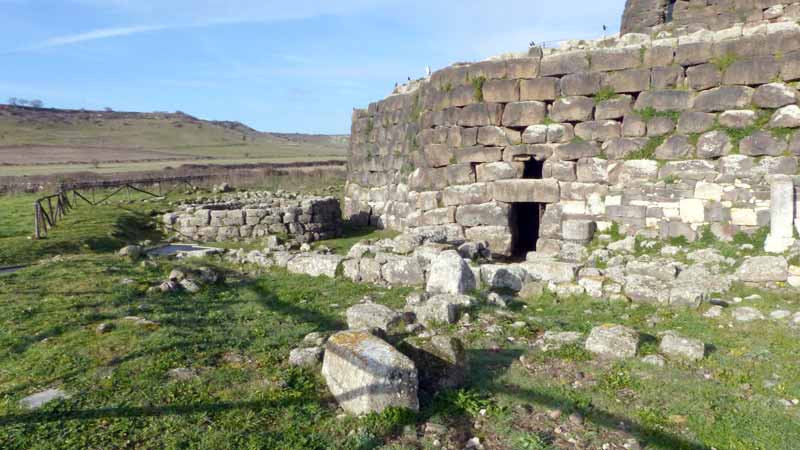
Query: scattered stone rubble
(255, 215)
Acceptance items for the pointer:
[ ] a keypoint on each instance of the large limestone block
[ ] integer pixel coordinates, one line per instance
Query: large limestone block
(576, 150)
(501, 91)
(628, 81)
(480, 115)
(782, 203)
(564, 63)
(486, 214)
(774, 95)
(572, 109)
(367, 375)
(608, 59)
(498, 238)
(450, 274)
(540, 89)
(403, 271)
(754, 71)
(526, 191)
(523, 114)
(504, 276)
(441, 361)
(724, 98)
(665, 100)
(676, 346)
(478, 154)
(613, 341)
(581, 84)
(762, 143)
(467, 194)
(499, 171)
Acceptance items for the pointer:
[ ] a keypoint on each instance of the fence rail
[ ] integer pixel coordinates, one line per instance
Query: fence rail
(50, 210)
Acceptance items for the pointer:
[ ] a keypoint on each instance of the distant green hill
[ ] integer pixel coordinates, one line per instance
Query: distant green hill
(37, 141)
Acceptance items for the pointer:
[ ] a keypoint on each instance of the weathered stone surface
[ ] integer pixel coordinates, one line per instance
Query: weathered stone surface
(501, 91)
(306, 356)
(615, 108)
(676, 346)
(499, 171)
(646, 289)
(449, 274)
(503, 276)
(714, 144)
(581, 84)
(613, 341)
(514, 191)
(695, 122)
(572, 109)
(543, 269)
(576, 150)
(480, 115)
(497, 238)
(761, 269)
(477, 154)
(441, 361)
(752, 71)
(747, 314)
(724, 98)
(366, 316)
(539, 89)
(467, 194)
(660, 126)
(403, 271)
(441, 309)
(627, 81)
(704, 76)
(366, 374)
(578, 230)
(786, 117)
(665, 100)
(489, 214)
(675, 147)
(762, 143)
(523, 114)
(315, 265)
(564, 63)
(774, 95)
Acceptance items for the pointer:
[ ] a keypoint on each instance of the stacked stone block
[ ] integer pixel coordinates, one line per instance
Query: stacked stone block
(258, 215)
(669, 135)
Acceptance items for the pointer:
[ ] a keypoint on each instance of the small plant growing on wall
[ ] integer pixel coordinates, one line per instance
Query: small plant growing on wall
(477, 87)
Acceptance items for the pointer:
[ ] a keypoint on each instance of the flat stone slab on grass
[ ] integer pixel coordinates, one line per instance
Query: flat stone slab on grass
(315, 265)
(679, 347)
(366, 316)
(367, 375)
(613, 341)
(39, 399)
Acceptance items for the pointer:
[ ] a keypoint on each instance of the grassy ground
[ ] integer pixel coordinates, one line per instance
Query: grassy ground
(237, 336)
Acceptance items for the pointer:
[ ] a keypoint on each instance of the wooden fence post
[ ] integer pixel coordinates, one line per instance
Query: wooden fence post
(36, 219)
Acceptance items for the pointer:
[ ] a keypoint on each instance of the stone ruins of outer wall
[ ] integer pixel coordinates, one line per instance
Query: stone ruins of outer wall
(253, 215)
(646, 16)
(668, 135)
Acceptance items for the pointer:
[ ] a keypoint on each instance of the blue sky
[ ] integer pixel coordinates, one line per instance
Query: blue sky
(298, 65)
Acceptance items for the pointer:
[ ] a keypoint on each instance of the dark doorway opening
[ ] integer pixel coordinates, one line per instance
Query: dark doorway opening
(526, 217)
(670, 12)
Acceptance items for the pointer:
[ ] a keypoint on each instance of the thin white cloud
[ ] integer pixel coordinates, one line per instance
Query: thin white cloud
(102, 33)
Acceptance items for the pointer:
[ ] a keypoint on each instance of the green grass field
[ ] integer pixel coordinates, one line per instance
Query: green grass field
(236, 337)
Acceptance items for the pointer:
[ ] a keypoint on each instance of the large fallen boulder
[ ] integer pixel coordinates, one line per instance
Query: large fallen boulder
(441, 309)
(450, 274)
(676, 346)
(368, 375)
(761, 269)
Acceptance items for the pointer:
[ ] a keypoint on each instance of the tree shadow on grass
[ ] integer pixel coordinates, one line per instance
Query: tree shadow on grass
(487, 366)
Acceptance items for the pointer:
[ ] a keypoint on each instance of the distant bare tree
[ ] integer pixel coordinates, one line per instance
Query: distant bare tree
(13, 101)
(36, 103)
(108, 109)
(21, 102)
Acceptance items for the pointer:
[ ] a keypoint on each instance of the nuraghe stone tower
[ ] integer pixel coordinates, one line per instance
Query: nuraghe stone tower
(683, 124)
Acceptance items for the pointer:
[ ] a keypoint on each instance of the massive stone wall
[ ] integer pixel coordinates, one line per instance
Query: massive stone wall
(645, 16)
(667, 135)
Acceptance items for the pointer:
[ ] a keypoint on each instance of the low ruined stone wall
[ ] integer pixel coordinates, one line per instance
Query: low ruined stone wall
(254, 215)
(668, 135)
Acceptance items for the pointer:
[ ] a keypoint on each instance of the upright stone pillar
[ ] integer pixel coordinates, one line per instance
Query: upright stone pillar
(781, 234)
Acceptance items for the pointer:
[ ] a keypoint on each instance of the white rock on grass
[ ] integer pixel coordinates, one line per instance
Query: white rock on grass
(365, 374)
(450, 274)
(305, 357)
(713, 312)
(315, 265)
(366, 316)
(676, 346)
(553, 340)
(39, 399)
(655, 360)
(441, 309)
(613, 341)
(762, 269)
(747, 314)
(779, 314)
